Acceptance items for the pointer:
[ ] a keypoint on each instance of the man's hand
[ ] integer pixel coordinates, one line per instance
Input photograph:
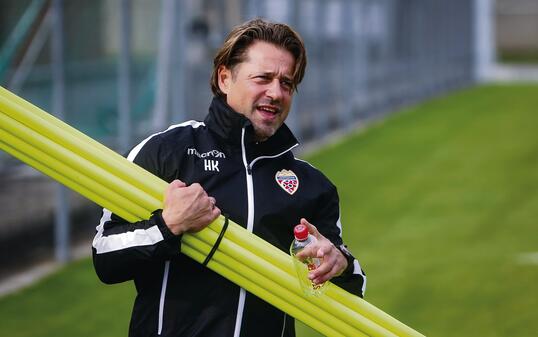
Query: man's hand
(188, 208)
(333, 261)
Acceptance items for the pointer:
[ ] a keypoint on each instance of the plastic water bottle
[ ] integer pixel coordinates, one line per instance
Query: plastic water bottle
(302, 239)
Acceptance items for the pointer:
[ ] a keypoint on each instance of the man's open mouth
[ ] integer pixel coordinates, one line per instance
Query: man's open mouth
(268, 111)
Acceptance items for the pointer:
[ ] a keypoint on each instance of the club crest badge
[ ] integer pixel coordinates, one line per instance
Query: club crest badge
(287, 180)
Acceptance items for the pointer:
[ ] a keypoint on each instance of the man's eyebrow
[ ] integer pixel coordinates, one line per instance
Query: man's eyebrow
(287, 78)
(270, 73)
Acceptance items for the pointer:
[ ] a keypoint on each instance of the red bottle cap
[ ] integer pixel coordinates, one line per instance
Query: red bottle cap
(300, 232)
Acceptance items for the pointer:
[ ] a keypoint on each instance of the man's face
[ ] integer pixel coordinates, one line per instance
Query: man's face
(261, 87)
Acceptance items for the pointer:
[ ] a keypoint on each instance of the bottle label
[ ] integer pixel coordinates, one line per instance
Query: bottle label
(311, 266)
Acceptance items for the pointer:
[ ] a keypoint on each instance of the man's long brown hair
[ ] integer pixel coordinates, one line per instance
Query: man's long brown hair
(234, 48)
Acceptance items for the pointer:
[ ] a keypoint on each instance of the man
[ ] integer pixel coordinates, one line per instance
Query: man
(237, 162)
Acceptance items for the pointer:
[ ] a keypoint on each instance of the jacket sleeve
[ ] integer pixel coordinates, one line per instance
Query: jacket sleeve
(121, 249)
(327, 220)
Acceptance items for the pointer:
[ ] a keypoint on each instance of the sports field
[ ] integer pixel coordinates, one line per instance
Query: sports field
(439, 201)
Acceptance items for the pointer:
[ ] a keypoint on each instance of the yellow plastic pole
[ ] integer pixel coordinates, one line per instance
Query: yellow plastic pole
(79, 163)
(75, 141)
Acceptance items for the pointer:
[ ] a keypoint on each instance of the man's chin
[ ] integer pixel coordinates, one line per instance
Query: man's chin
(263, 134)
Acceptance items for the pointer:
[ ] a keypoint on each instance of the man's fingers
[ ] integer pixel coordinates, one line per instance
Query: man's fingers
(212, 202)
(216, 213)
(327, 262)
(324, 272)
(320, 278)
(174, 186)
(188, 208)
(320, 270)
(306, 252)
(203, 220)
(325, 249)
(177, 183)
(311, 228)
(197, 190)
(330, 267)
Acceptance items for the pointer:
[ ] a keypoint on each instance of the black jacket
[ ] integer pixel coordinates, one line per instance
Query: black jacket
(260, 186)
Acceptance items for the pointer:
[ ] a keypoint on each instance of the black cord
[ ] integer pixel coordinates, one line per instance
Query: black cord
(217, 243)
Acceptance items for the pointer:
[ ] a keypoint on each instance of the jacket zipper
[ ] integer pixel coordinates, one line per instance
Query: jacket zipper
(250, 184)
(250, 225)
(250, 219)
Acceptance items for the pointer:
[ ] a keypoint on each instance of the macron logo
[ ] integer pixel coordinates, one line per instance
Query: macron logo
(213, 153)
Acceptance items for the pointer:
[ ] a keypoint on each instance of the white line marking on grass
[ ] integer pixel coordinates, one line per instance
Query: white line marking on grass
(528, 258)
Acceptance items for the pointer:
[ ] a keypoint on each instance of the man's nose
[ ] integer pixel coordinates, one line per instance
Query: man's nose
(275, 90)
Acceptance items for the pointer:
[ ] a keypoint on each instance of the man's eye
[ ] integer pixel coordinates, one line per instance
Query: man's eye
(286, 84)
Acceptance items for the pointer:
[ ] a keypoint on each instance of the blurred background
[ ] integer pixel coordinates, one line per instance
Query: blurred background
(119, 70)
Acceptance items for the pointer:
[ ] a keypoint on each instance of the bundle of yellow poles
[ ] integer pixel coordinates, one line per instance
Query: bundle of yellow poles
(110, 180)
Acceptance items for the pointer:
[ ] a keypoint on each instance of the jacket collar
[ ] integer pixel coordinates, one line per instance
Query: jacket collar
(228, 125)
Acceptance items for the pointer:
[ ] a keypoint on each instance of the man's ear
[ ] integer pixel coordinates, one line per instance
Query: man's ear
(224, 78)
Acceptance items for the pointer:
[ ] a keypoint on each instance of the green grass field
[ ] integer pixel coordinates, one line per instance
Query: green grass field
(440, 202)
